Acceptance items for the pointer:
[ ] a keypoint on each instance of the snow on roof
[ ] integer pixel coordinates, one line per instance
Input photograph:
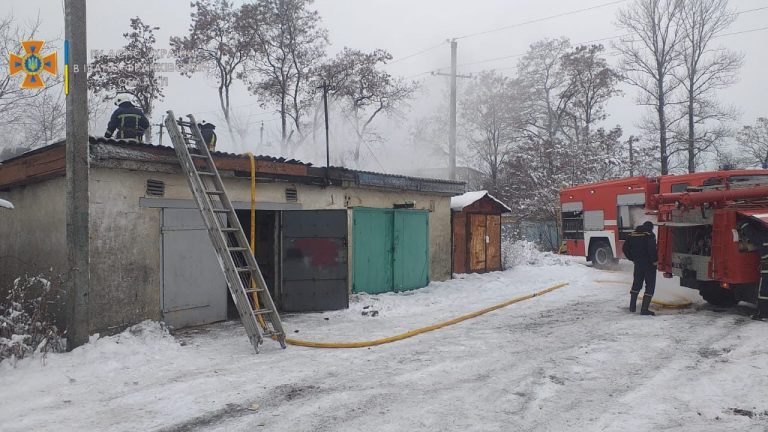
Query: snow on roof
(6, 204)
(459, 202)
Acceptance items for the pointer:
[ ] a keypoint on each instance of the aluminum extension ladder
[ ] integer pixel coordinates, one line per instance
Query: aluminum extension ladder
(243, 275)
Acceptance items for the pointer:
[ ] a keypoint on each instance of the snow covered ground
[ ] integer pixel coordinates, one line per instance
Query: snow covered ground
(572, 360)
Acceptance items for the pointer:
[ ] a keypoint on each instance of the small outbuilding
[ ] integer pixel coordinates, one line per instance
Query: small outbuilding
(476, 232)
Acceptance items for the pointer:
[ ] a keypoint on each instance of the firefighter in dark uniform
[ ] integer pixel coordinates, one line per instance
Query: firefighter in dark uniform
(640, 248)
(757, 236)
(209, 135)
(129, 121)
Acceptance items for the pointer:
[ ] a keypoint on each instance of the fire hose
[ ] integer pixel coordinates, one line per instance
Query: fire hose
(381, 341)
(401, 336)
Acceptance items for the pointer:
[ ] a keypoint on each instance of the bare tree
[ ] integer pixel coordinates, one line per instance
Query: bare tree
(546, 89)
(287, 43)
(753, 141)
(488, 111)
(704, 71)
(365, 91)
(130, 71)
(44, 117)
(650, 54)
(593, 83)
(29, 118)
(214, 45)
(11, 94)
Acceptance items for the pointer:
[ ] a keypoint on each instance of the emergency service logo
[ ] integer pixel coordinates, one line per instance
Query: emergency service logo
(33, 63)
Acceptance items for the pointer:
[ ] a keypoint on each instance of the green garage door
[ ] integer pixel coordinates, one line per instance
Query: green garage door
(390, 250)
(411, 249)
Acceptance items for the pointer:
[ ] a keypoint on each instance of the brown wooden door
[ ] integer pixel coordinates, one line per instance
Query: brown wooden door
(493, 248)
(477, 240)
(459, 242)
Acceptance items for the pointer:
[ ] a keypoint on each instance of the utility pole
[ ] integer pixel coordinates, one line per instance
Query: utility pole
(452, 126)
(327, 136)
(77, 199)
(261, 136)
(631, 141)
(160, 133)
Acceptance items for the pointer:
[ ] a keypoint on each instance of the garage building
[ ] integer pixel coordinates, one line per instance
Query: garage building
(321, 234)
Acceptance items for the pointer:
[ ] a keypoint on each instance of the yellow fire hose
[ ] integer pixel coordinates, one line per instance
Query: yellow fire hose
(401, 336)
(254, 295)
(363, 344)
(684, 304)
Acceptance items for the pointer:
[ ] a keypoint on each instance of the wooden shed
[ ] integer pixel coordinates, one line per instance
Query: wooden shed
(476, 232)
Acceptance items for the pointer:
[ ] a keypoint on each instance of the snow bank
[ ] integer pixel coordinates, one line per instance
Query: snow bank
(522, 252)
(137, 342)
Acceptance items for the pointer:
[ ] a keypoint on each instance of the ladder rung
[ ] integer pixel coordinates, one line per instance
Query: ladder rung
(272, 333)
(245, 269)
(238, 249)
(198, 156)
(214, 192)
(221, 210)
(206, 173)
(229, 230)
(253, 290)
(258, 312)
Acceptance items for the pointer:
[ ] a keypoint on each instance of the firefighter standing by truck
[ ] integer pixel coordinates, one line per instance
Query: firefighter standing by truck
(640, 248)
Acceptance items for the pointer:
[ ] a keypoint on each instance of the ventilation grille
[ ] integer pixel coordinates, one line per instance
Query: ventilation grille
(291, 195)
(155, 187)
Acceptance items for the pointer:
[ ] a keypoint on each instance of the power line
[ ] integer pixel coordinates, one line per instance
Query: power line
(489, 60)
(425, 50)
(537, 20)
(750, 10)
(742, 32)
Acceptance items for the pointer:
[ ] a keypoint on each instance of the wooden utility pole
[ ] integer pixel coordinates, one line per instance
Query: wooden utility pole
(77, 200)
(160, 133)
(327, 136)
(631, 142)
(452, 125)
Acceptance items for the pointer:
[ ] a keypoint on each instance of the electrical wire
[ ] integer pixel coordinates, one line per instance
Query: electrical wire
(425, 50)
(743, 32)
(538, 20)
(489, 60)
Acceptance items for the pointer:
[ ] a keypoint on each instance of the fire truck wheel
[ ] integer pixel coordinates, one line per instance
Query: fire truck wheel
(602, 255)
(716, 296)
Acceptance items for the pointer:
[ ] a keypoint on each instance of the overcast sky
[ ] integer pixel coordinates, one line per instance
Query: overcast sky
(405, 27)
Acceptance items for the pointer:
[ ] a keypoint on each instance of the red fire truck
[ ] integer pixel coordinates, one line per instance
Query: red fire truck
(712, 237)
(597, 218)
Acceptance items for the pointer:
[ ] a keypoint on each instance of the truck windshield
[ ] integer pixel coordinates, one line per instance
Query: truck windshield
(758, 178)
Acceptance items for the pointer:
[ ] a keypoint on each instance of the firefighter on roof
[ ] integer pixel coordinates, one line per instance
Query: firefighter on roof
(640, 248)
(129, 121)
(209, 136)
(758, 238)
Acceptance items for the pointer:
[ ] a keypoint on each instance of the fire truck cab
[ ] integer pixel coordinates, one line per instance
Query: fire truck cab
(596, 218)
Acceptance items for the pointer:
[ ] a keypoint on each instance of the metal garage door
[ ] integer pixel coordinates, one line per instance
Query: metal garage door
(411, 249)
(391, 250)
(372, 240)
(194, 288)
(314, 260)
